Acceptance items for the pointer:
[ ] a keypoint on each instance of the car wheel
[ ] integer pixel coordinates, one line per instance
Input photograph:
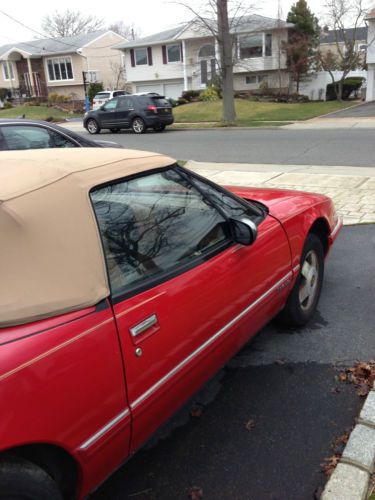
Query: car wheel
(114, 130)
(159, 128)
(92, 126)
(138, 125)
(23, 480)
(304, 297)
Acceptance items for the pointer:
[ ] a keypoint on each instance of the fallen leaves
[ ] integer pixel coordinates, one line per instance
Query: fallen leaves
(249, 425)
(195, 493)
(330, 464)
(362, 375)
(196, 411)
(337, 447)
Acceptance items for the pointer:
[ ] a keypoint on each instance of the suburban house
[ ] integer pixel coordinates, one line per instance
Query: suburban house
(59, 65)
(187, 58)
(370, 91)
(329, 39)
(315, 86)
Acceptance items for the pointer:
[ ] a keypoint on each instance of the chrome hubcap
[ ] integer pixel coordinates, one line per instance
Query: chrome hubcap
(91, 126)
(137, 126)
(309, 280)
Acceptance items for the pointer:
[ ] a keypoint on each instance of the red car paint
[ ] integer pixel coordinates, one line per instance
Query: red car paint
(76, 381)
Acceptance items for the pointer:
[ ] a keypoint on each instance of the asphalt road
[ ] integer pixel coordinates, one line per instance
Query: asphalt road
(341, 147)
(284, 385)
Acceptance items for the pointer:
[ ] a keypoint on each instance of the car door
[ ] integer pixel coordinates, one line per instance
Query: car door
(107, 114)
(124, 108)
(185, 296)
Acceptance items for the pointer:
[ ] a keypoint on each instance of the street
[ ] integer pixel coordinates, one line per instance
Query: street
(263, 426)
(278, 146)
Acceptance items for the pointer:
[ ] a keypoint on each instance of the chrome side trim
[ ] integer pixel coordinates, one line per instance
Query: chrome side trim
(208, 342)
(296, 268)
(91, 440)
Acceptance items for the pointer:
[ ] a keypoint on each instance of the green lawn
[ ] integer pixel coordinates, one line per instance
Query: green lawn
(35, 113)
(249, 112)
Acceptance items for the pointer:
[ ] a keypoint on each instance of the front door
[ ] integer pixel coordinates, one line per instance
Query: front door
(185, 296)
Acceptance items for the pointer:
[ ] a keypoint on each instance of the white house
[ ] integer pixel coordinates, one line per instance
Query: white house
(370, 92)
(186, 57)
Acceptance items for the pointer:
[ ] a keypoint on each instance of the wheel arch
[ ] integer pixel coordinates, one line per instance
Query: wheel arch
(320, 228)
(54, 460)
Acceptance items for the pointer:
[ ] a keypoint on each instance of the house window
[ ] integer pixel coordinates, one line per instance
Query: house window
(60, 68)
(207, 51)
(251, 46)
(92, 76)
(8, 72)
(174, 53)
(256, 79)
(141, 56)
(268, 44)
(251, 80)
(204, 72)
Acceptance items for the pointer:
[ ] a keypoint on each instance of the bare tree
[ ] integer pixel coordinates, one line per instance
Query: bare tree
(219, 18)
(69, 23)
(118, 71)
(126, 30)
(346, 57)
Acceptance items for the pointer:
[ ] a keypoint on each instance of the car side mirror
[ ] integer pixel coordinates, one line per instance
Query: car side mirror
(244, 230)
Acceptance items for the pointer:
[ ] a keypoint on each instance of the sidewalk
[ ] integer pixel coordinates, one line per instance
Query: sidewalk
(351, 188)
(322, 123)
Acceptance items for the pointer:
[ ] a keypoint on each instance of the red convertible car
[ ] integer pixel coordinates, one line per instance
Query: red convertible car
(126, 282)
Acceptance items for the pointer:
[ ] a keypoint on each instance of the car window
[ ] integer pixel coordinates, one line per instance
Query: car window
(154, 225)
(230, 205)
(125, 103)
(110, 105)
(160, 102)
(103, 95)
(119, 92)
(32, 137)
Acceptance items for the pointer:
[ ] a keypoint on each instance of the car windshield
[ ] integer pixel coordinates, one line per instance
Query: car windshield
(160, 101)
(102, 95)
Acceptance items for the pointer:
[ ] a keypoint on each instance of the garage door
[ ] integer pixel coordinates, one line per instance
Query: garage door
(173, 90)
(150, 88)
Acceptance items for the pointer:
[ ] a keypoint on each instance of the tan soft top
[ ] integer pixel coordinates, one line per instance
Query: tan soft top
(51, 259)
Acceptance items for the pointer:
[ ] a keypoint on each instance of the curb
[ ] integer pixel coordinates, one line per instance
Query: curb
(351, 478)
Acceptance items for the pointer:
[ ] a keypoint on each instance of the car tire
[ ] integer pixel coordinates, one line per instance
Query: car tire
(159, 128)
(114, 130)
(92, 126)
(138, 125)
(304, 297)
(23, 480)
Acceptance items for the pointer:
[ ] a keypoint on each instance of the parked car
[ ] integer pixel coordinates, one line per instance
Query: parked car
(105, 95)
(126, 282)
(38, 134)
(137, 112)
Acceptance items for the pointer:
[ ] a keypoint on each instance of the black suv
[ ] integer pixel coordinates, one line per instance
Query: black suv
(138, 112)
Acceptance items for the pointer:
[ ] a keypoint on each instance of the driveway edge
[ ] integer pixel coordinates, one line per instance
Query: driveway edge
(351, 478)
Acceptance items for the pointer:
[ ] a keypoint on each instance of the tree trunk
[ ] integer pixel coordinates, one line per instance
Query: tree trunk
(225, 44)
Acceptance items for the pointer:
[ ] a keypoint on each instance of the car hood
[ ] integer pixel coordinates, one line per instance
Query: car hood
(281, 203)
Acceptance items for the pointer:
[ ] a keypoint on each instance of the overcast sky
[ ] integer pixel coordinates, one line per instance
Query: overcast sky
(148, 16)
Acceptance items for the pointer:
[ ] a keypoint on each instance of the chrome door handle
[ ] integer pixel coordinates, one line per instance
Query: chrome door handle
(144, 325)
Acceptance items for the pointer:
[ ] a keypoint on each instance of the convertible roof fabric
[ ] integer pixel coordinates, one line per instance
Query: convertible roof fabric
(51, 258)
